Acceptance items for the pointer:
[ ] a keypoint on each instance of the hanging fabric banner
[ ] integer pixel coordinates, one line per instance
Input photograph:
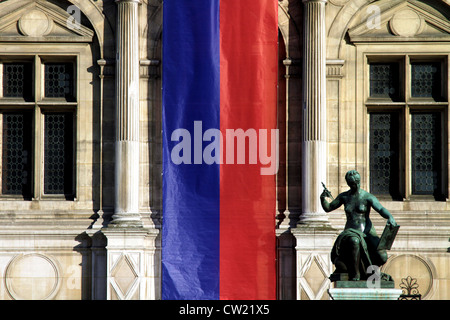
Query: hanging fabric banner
(220, 146)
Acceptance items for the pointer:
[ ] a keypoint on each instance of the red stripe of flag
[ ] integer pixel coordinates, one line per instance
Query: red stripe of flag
(248, 82)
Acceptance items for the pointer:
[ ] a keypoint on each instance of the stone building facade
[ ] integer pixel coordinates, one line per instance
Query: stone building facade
(362, 85)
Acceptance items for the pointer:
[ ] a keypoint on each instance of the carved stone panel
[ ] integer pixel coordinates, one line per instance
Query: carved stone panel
(32, 277)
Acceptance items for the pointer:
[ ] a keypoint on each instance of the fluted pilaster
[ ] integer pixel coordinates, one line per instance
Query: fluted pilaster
(314, 156)
(127, 80)
(126, 211)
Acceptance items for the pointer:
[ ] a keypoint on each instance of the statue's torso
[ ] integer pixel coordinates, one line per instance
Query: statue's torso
(357, 208)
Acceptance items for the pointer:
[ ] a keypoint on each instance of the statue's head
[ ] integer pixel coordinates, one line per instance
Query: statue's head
(353, 179)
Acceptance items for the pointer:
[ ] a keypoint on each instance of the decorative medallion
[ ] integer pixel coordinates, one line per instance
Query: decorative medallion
(32, 277)
(35, 23)
(407, 23)
(413, 271)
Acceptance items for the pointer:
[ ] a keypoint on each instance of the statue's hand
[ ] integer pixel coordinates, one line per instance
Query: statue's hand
(392, 221)
(326, 194)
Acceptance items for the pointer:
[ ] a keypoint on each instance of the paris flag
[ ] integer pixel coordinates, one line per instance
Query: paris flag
(220, 146)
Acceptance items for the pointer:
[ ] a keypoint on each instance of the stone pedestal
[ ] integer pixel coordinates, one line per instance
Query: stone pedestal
(364, 293)
(314, 264)
(131, 270)
(364, 290)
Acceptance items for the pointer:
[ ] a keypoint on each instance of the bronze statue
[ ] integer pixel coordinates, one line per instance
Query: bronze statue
(357, 247)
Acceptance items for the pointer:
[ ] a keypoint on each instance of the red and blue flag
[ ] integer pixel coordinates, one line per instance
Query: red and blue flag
(219, 97)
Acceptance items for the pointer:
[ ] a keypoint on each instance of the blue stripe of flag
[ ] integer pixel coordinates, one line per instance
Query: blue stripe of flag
(191, 92)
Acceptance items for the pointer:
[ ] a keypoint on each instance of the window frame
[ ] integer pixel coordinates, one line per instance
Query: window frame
(407, 105)
(39, 106)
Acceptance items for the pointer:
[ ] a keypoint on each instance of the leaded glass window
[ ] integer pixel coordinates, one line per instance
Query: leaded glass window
(58, 153)
(426, 79)
(17, 80)
(38, 133)
(384, 153)
(16, 154)
(426, 152)
(59, 80)
(406, 103)
(384, 80)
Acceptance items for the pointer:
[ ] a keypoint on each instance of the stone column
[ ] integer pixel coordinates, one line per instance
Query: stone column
(126, 209)
(314, 155)
(128, 266)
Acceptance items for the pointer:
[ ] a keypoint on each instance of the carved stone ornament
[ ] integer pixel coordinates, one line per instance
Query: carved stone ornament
(44, 20)
(32, 276)
(406, 23)
(35, 23)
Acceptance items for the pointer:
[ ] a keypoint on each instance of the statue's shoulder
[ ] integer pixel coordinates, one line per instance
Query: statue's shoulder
(368, 195)
(344, 195)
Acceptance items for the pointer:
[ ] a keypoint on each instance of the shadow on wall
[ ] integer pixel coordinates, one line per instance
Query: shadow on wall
(92, 248)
